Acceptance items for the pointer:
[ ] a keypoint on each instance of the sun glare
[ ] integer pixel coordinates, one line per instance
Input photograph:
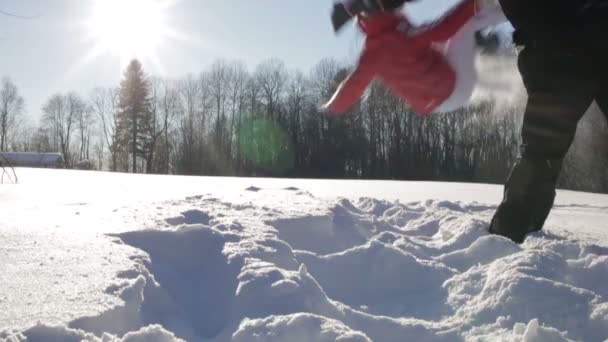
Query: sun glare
(128, 28)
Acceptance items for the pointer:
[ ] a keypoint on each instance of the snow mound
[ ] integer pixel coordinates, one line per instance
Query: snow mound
(44, 333)
(297, 328)
(378, 278)
(532, 284)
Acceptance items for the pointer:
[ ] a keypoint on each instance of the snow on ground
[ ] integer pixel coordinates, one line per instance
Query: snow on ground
(111, 257)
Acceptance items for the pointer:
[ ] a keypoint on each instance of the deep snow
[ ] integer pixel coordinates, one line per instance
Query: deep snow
(112, 257)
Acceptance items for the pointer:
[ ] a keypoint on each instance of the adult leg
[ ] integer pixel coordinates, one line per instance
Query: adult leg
(559, 92)
(602, 95)
(461, 54)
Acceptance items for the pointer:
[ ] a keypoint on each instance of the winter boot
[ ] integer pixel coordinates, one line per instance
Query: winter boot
(528, 198)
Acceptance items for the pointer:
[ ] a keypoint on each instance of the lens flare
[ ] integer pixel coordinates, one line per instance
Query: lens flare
(266, 144)
(128, 28)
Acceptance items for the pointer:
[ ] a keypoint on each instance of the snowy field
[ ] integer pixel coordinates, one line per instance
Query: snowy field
(112, 257)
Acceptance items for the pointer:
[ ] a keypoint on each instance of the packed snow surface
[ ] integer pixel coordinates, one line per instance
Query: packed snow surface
(112, 257)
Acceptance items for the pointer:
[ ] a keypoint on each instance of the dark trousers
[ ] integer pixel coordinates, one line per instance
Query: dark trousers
(561, 84)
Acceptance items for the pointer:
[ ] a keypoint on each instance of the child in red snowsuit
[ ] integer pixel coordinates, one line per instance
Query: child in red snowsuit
(431, 68)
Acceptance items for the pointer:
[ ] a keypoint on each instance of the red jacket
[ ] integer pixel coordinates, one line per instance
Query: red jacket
(403, 57)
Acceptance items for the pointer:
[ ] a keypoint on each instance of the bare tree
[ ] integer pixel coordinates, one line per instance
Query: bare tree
(11, 106)
(61, 113)
(85, 123)
(22, 140)
(98, 152)
(238, 86)
(42, 140)
(219, 85)
(79, 116)
(297, 100)
(103, 103)
(189, 158)
(271, 77)
(165, 106)
(168, 109)
(323, 78)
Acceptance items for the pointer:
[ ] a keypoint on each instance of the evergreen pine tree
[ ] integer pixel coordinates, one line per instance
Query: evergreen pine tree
(135, 121)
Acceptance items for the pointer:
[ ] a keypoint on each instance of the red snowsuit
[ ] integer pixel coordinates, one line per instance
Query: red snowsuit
(403, 57)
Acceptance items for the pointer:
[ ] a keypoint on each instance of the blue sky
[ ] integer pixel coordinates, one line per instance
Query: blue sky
(47, 54)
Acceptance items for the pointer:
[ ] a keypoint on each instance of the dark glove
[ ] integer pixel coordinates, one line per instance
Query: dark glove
(390, 5)
(344, 12)
(339, 16)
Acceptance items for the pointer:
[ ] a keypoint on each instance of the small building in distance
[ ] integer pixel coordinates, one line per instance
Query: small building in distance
(32, 159)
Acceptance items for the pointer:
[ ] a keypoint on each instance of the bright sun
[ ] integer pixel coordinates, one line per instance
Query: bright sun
(128, 28)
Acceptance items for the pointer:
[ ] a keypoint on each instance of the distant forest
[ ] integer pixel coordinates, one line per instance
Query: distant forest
(230, 121)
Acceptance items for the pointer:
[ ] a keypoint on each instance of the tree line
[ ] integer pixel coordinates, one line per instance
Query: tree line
(230, 121)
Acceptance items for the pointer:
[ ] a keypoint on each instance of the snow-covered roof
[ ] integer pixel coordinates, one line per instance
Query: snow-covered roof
(32, 158)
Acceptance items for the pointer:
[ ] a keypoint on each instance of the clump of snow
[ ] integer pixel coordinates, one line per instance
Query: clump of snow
(534, 332)
(151, 333)
(265, 289)
(600, 312)
(269, 249)
(189, 217)
(298, 328)
(483, 251)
